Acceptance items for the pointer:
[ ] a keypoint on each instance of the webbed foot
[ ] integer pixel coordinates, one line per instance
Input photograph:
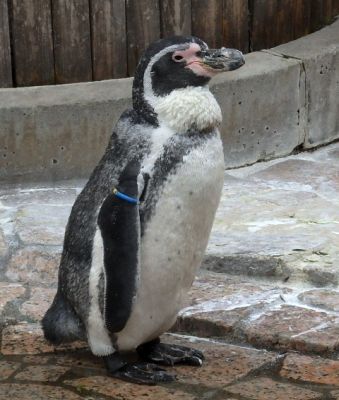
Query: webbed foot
(169, 354)
(142, 373)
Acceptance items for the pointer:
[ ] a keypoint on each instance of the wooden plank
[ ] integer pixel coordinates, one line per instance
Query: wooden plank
(175, 17)
(5, 49)
(207, 21)
(322, 13)
(259, 14)
(32, 42)
(72, 41)
(108, 27)
(316, 15)
(271, 23)
(335, 8)
(143, 27)
(327, 11)
(235, 24)
(301, 18)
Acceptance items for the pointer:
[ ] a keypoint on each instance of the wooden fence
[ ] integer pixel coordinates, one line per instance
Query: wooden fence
(62, 41)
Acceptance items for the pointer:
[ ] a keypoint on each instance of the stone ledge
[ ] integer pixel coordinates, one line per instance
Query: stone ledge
(320, 56)
(263, 315)
(271, 106)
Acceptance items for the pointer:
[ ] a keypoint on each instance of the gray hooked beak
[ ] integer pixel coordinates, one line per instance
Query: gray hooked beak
(223, 59)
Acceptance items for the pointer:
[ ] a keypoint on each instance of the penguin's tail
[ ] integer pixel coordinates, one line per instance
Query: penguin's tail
(61, 324)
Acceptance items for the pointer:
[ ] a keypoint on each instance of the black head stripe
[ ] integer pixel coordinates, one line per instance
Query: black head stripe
(140, 105)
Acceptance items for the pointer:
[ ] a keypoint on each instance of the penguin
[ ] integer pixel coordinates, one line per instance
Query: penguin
(138, 230)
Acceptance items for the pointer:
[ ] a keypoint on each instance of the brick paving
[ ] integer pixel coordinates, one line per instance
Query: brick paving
(264, 308)
(229, 370)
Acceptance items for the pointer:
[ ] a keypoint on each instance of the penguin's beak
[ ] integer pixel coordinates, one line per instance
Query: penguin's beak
(220, 60)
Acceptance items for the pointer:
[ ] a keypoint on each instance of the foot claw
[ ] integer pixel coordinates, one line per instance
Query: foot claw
(194, 361)
(167, 354)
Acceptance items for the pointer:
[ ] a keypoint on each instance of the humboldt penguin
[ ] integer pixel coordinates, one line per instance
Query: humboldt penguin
(138, 230)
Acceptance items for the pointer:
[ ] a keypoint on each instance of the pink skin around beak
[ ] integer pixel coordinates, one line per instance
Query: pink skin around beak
(193, 62)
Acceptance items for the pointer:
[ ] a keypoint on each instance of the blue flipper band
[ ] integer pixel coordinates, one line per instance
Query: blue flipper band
(123, 196)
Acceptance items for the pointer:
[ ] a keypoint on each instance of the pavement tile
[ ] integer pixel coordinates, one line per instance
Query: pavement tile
(223, 363)
(284, 210)
(41, 373)
(38, 303)
(28, 339)
(288, 327)
(335, 395)
(217, 303)
(3, 244)
(302, 171)
(44, 225)
(9, 292)
(78, 359)
(327, 299)
(220, 323)
(7, 368)
(267, 389)
(34, 266)
(210, 286)
(122, 390)
(24, 339)
(311, 369)
(320, 275)
(28, 391)
(36, 359)
(40, 194)
(324, 340)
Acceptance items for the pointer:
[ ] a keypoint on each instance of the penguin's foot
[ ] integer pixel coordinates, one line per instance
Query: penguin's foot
(142, 373)
(168, 354)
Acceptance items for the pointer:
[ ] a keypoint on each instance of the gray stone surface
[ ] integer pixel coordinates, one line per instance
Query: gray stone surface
(283, 215)
(41, 225)
(34, 265)
(276, 315)
(322, 298)
(3, 244)
(320, 56)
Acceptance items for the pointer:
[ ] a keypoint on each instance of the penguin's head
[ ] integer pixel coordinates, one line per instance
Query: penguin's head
(177, 63)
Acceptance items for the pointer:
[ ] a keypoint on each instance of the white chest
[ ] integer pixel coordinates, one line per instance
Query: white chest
(186, 108)
(174, 243)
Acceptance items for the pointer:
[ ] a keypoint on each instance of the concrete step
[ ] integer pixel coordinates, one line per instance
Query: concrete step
(280, 220)
(245, 311)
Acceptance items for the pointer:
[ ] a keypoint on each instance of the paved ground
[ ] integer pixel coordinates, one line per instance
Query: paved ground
(264, 308)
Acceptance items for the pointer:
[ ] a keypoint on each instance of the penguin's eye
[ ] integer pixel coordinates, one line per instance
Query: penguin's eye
(177, 58)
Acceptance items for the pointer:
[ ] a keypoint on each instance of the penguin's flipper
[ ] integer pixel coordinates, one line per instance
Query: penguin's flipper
(119, 223)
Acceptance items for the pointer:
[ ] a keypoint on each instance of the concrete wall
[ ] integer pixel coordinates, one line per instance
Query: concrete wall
(283, 98)
(319, 53)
